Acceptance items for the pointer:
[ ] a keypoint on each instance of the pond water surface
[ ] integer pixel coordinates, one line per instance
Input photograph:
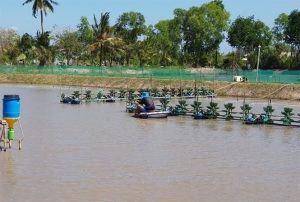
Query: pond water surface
(97, 152)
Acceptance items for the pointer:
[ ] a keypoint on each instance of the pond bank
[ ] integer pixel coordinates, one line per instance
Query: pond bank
(221, 88)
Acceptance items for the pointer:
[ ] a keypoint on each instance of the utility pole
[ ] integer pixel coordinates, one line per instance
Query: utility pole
(257, 63)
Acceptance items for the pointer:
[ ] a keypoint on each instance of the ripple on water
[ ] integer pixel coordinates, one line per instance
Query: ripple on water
(97, 152)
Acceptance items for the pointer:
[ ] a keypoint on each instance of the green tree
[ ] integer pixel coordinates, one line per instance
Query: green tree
(129, 27)
(292, 31)
(7, 36)
(168, 40)
(102, 33)
(202, 30)
(42, 6)
(43, 52)
(86, 37)
(281, 47)
(276, 56)
(8, 40)
(246, 34)
(292, 36)
(85, 31)
(144, 50)
(114, 48)
(281, 23)
(26, 42)
(67, 44)
(26, 45)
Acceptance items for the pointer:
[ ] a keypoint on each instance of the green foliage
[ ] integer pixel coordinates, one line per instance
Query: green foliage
(281, 23)
(131, 92)
(196, 107)
(167, 37)
(274, 59)
(181, 108)
(76, 94)
(85, 32)
(131, 104)
(241, 35)
(191, 38)
(202, 29)
(228, 113)
(155, 92)
(4, 59)
(100, 94)
(181, 91)
(292, 36)
(246, 111)
(165, 91)
(203, 91)
(112, 92)
(68, 44)
(26, 42)
(212, 110)
(164, 104)
(173, 91)
(88, 94)
(41, 7)
(122, 93)
(291, 32)
(269, 110)
(287, 116)
(196, 91)
(189, 91)
(27, 46)
(130, 26)
(145, 51)
(104, 34)
(246, 41)
(141, 90)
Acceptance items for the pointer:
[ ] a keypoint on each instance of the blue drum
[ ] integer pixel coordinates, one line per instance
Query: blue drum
(11, 106)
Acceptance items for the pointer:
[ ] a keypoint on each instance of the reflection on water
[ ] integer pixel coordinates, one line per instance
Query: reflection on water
(97, 152)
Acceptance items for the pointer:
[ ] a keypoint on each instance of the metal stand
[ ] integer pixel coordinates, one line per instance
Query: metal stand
(4, 137)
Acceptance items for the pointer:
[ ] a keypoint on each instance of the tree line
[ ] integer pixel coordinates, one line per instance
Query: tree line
(191, 39)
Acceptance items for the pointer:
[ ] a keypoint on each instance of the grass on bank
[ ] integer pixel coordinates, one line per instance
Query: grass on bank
(222, 88)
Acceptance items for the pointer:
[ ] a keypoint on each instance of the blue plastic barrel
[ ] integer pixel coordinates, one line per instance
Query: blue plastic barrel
(11, 106)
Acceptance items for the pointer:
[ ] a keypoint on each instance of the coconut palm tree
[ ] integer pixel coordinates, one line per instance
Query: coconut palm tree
(102, 32)
(42, 6)
(114, 48)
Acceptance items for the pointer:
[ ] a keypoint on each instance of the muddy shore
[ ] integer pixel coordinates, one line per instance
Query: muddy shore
(221, 88)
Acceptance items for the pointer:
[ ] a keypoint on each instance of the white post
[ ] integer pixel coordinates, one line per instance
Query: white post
(257, 63)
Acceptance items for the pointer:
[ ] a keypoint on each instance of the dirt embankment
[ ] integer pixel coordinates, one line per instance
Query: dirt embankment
(221, 88)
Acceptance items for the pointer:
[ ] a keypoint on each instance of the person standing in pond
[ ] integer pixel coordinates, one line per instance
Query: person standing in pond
(145, 104)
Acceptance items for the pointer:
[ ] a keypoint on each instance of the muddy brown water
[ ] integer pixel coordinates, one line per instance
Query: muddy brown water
(97, 152)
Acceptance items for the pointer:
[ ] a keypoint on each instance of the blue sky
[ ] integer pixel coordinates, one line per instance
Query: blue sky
(69, 12)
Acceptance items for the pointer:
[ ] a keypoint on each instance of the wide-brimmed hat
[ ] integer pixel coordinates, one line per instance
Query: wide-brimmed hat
(145, 95)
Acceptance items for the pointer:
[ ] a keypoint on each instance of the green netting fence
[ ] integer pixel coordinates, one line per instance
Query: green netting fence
(205, 74)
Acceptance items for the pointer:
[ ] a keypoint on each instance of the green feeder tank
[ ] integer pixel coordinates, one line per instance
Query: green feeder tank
(11, 134)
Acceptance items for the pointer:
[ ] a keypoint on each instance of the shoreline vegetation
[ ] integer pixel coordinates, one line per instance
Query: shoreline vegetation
(221, 88)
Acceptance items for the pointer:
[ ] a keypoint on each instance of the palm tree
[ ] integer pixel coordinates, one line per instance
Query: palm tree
(42, 6)
(144, 50)
(114, 48)
(103, 33)
(42, 51)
